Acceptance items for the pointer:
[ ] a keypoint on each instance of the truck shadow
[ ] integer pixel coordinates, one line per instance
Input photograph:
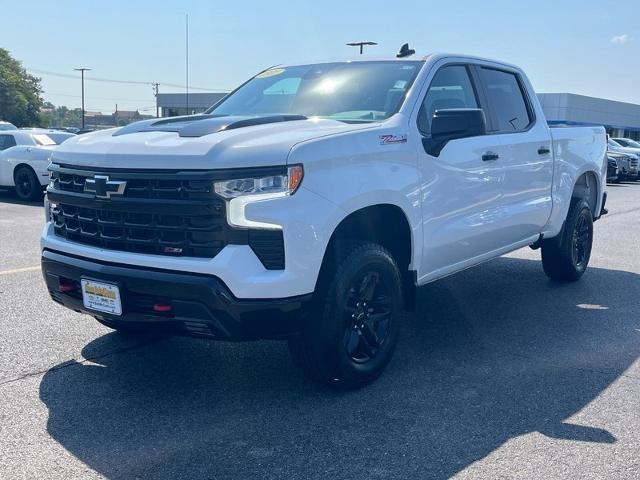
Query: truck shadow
(493, 353)
(7, 196)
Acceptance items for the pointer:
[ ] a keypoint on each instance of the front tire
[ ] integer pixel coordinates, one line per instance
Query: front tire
(350, 336)
(565, 257)
(27, 186)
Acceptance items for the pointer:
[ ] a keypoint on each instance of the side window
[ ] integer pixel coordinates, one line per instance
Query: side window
(451, 87)
(7, 141)
(506, 96)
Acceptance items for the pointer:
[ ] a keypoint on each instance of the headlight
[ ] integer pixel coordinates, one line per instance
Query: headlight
(285, 184)
(240, 192)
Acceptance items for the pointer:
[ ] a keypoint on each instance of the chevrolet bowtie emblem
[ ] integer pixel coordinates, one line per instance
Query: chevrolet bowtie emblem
(102, 187)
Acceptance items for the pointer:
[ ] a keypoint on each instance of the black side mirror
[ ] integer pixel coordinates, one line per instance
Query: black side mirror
(451, 124)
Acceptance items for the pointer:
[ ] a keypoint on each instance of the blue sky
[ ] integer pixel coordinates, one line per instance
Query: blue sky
(589, 47)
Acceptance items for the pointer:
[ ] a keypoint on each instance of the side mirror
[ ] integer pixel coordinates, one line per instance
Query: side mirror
(452, 124)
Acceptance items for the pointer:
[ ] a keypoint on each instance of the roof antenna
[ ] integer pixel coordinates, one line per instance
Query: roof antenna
(405, 51)
(361, 45)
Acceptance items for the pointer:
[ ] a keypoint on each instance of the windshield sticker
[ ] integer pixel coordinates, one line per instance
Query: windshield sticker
(270, 73)
(391, 139)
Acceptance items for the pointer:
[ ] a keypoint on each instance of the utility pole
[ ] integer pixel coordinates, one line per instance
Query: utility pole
(155, 92)
(82, 70)
(116, 115)
(187, 58)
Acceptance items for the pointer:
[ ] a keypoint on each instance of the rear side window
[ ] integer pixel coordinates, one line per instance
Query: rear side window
(505, 95)
(451, 87)
(7, 141)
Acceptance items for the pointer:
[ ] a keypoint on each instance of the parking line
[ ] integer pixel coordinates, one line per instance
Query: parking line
(19, 270)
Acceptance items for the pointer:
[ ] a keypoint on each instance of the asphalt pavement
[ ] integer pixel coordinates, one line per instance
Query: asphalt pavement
(500, 373)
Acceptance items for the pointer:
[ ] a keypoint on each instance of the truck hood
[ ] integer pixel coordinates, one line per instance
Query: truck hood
(198, 142)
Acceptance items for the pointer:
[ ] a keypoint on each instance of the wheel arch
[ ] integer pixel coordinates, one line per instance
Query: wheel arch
(586, 186)
(22, 164)
(385, 224)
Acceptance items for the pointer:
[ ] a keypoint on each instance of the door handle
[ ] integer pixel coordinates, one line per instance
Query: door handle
(489, 156)
(543, 151)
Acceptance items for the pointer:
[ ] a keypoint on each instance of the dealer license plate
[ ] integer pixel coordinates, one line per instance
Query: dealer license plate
(102, 297)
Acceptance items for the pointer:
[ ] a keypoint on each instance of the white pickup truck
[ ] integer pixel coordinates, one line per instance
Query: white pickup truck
(311, 202)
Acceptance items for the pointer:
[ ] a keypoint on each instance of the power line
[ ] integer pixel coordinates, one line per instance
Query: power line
(97, 98)
(130, 82)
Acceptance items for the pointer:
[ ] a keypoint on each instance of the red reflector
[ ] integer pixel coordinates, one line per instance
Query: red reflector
(66, 287)
(162, 307)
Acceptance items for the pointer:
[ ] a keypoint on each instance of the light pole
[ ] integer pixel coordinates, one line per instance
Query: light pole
(82, 70)
(361, 45)
(155, 92)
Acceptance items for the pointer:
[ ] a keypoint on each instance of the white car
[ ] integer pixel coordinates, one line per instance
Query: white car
(24, 158)
(311, 202)
(7, 126)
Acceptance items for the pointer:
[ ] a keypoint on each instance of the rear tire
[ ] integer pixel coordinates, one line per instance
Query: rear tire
(566, 257)
(352, 331)
(27, 185)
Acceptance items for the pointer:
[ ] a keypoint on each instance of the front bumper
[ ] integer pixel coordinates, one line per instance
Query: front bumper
(202, 305)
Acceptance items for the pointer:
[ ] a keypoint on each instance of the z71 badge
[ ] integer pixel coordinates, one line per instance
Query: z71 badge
(391, 139)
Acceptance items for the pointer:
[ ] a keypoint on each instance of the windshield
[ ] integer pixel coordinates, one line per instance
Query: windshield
(349, 92)
(59, 137)
(42, 139)
(613, 144)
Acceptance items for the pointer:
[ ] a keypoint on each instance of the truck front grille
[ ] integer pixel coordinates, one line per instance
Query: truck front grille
(173, 213)
(130, 231)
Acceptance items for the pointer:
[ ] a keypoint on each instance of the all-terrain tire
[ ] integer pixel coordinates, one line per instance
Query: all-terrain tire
(566, 256)
(352, 329)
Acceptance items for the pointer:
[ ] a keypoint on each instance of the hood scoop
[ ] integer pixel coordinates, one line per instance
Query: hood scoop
(201, 125)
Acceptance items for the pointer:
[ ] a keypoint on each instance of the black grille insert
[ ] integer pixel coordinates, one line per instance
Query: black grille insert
(186, 235)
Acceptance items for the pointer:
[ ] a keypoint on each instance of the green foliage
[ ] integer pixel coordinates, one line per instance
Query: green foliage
(60, 116)
(20, 93)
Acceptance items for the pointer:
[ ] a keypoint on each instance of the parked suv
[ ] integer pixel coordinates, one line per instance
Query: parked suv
(631, 152)
(312, 201)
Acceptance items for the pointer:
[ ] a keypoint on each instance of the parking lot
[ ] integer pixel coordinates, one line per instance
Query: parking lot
(499, 374)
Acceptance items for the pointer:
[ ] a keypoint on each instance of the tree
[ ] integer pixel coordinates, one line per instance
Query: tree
(20, 93)
(52, 116)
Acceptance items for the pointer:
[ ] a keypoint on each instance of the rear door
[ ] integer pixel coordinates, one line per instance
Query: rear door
(461, 187)
(525, 153)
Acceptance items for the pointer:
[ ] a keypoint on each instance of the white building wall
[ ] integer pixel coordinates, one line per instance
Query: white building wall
(620, 118)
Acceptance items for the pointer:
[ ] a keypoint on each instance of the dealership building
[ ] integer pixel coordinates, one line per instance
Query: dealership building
(174, 104)
(619, 118)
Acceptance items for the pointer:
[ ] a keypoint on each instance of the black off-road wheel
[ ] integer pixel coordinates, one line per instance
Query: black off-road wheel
(27, 186)
(351, 334)
(565, 257)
